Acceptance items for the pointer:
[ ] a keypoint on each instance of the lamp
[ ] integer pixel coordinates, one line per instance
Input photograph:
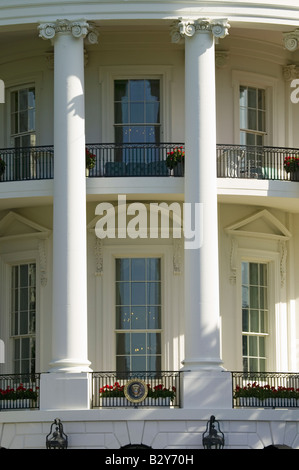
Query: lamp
(57, 439)
(211, 439)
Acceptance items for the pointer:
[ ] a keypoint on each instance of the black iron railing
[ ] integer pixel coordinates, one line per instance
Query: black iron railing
(265, 389)
(110, 389)
(245, 161)
(113, 160)
(27, 163)
(19, 391)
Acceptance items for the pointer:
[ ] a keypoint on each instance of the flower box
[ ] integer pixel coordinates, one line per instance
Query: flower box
(19, 403)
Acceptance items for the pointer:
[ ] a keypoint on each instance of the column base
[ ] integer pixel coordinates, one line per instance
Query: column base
(65, 391)
(206, 389)
(69, 366)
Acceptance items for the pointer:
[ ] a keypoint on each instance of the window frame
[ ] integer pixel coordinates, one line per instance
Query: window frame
(270, 85)
(106, 351)
(146, 331)
(251, 333)
(107, 76)
(6, 263)
(272, 259)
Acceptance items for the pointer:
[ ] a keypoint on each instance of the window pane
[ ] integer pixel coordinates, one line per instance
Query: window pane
(154, 343)
(123, 343)
(138, 269)
(122, 269)
(245, 320)
(254, 321)
(154, 318)
(138, 363)
(137, 90)
(121, 90)
(137, 113)
(252, 97)
(254, 297)
(138, 293)
(253, 273)
(154, 269)
(138, 345)
(138, 318)
(121, 113)
(123, 318)
(154, 293)
(122, 293)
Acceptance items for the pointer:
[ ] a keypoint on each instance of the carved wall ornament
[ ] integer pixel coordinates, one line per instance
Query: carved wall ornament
(98, 251)
(290, 72)
(188, 27)
(43, 262)
(177, 255)
(291, 40)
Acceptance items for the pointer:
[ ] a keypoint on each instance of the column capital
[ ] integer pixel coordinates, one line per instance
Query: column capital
(78, 29)
(291, 40)
(189, 27)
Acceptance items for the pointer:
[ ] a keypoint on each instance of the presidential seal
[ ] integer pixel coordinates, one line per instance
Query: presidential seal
(135, 390)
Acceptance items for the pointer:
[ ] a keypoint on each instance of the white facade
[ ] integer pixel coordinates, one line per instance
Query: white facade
(65, 62)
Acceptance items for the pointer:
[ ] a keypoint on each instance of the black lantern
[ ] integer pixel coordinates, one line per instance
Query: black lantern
(57, 439)
(213, 439)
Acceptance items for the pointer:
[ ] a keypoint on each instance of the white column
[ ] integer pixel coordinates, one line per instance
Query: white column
(69, 315)
(69, 333)
(202, 318)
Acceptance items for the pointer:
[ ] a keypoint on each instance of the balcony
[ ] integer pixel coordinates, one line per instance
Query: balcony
(265, 390)
(250, 390)
(109, 389)
(19, 391)
(146, 160)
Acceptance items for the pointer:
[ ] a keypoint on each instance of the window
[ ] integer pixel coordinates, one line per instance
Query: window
(252, 116)
(137, 111)
(254, 316)
(23, 117)
(138, 314)
(23, 316)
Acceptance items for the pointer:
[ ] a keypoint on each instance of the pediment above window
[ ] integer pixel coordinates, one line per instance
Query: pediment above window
(14, 226)
(263, 224)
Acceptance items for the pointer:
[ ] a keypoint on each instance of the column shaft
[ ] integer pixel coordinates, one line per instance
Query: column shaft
(69, 232)
(201, 263)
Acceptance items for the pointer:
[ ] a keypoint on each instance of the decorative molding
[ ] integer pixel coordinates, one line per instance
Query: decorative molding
(98, 250)
(221, 58)
(189, 27)
(290, 72)
(283, 261)
(78, 29)
(291, 40)
(43, 262)
(233, 253)
(177, 255)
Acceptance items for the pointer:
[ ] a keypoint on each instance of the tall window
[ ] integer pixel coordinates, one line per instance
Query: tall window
(138, 314)
(254, 316)
(23, 316)
(137, 111)
(252, 116)
(23, 117)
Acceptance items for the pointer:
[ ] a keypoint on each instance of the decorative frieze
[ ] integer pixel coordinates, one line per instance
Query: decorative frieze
(78, 29)
(188, 27)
